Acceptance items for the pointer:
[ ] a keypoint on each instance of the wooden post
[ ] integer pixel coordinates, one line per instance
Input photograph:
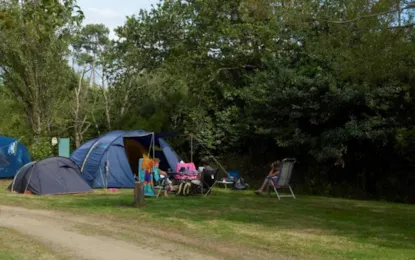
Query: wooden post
(138, 194)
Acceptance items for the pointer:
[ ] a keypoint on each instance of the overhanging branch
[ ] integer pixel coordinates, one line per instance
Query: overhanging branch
(402, 26)
(408, 6)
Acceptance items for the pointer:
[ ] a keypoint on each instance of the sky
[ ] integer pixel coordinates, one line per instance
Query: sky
(112, 13)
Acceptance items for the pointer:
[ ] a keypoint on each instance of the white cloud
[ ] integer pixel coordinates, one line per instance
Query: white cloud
(105, 12)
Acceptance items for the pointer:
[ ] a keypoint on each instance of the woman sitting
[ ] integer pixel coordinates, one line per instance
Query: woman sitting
(273, 176)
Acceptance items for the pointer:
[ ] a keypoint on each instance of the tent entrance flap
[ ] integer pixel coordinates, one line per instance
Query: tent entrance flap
(134, 150)
(139, 146)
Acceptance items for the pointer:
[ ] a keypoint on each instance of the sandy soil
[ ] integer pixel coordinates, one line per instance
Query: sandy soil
(59, 232)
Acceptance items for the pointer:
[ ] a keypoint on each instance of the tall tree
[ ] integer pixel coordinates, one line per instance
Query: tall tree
(89, 45)
(318, 80)
(35, 39)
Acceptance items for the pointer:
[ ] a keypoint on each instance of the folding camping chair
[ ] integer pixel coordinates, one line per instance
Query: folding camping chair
(284, 178)
(149, 189)
(161, 185)
(209, 179)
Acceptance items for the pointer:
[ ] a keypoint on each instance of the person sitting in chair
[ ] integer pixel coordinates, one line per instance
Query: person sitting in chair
(273, 176)
(162, 173)
(205, 164)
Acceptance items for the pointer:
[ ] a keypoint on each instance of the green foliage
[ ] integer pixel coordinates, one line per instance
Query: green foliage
(40, 148)
(324, 86)
(90, 42)
(331, 84)
(11, 123)
(33, 49)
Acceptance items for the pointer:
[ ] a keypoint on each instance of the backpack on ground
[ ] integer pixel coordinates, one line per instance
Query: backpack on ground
(240, 184)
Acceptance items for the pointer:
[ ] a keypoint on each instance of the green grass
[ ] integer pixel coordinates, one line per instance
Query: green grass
(305, 228)
(15, 246)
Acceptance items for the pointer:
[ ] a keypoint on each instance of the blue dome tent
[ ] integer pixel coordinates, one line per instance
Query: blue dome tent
(111, 161)
(13, 155)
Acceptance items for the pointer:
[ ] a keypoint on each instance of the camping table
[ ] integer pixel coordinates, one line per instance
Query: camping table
(225, 183)
(186, 176)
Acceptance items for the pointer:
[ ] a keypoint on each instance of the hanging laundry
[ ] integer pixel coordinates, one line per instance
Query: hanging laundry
(12, 148)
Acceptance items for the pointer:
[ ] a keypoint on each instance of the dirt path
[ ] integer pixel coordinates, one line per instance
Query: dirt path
(58, 231)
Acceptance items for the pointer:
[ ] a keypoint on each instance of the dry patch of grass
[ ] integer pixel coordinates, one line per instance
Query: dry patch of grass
(15, 246)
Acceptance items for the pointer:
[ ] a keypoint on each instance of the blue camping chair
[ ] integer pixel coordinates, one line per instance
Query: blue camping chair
(148, 189)
(233, 175)
(141, 172)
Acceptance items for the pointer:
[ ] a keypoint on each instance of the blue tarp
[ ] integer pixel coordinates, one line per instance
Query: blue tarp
(13, 155)
(105, 162)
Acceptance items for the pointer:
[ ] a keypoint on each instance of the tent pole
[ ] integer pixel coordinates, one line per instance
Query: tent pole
(220, 165)
(191, 147)
(87, 155)
(149, 148)
(154, 143)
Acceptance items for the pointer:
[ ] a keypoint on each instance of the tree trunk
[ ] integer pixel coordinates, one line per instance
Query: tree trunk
(124, 105)
(92, 83)
(399, 13)
(77, 120)
(77, 140)
(107, 106)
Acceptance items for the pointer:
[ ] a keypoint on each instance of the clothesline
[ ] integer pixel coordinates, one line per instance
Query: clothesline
(213, 157)
(8, 145)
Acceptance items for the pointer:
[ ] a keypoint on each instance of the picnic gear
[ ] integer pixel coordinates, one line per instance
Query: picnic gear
(53, 175)
(186, 167)
(224, 181)
(240, 184)
(186, 176)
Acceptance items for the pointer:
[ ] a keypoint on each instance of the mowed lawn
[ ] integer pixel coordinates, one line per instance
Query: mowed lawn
(305, 228)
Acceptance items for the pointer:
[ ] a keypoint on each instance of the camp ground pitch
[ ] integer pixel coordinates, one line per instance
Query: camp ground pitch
(111, 161)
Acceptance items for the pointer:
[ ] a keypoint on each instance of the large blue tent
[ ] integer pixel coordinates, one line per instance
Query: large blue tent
(13, 155)
(112, 159)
